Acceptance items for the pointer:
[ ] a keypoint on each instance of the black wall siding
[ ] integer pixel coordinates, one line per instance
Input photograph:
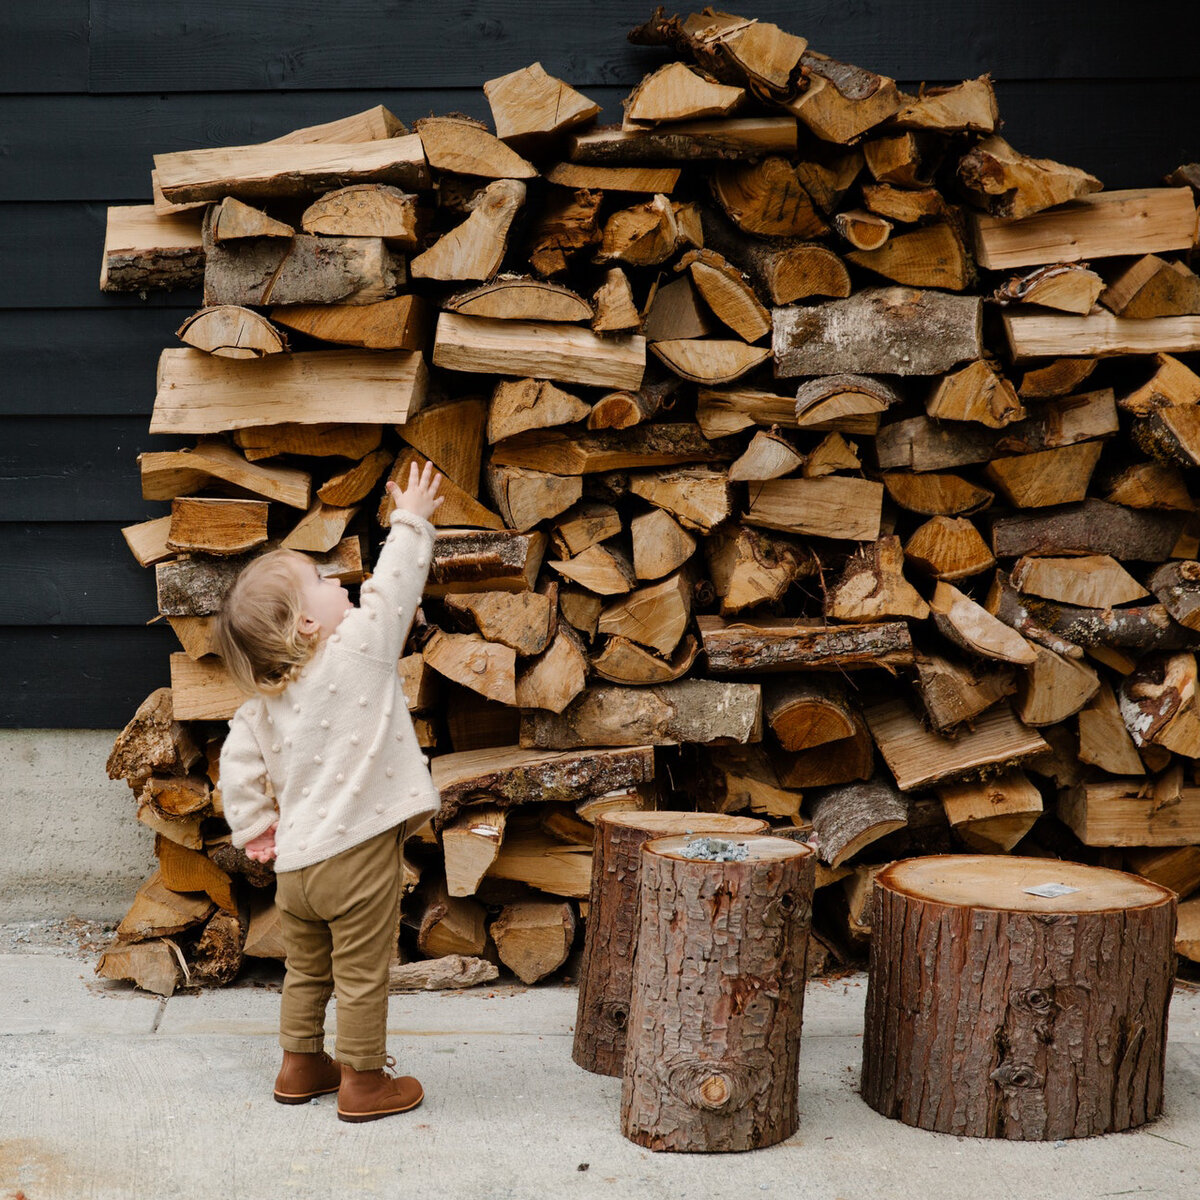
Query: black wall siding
(90, 90)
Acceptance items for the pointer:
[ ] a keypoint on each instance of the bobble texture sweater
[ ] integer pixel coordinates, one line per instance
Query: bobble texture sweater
(337, 747)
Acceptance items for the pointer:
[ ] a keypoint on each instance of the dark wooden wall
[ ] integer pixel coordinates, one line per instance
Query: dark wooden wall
(90, 89)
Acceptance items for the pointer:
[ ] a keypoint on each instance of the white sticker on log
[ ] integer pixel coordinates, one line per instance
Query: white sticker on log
(1049, 891)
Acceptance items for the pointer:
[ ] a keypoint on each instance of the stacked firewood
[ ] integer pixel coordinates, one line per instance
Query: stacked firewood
(809, 452)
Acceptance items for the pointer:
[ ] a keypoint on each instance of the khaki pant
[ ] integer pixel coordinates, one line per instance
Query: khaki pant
(339, 921)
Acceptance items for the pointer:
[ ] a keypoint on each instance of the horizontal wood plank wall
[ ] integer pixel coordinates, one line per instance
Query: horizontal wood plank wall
(91, 89)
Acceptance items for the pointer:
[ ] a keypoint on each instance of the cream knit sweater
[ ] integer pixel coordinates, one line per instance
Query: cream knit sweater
(337, 746)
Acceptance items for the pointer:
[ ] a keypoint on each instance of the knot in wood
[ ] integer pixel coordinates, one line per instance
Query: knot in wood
(1040, 1002)
(714, 1086)
(616, 1016)
(1017, 1075)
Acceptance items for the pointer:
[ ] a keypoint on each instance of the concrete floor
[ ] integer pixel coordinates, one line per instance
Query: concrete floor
(110, 1094)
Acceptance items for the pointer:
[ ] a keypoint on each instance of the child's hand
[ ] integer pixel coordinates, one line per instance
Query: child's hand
(262, 848)
(422, 497)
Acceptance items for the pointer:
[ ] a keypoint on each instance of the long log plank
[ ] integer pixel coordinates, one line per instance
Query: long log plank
(782, 644)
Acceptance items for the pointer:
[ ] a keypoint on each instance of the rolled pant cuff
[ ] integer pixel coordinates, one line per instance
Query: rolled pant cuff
(310, 1045)
(362, 1062)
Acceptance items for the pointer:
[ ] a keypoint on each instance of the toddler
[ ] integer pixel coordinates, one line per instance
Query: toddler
(321, 771)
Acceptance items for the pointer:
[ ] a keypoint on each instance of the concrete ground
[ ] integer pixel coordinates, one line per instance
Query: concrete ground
(110, 1094)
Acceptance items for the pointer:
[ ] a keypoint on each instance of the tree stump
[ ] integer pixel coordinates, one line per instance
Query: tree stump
(718, 997)
(995, 1013)
(606, 973)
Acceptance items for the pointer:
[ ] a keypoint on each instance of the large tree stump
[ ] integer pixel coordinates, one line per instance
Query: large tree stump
(718, 997)
(606, 974)
(995, 1013)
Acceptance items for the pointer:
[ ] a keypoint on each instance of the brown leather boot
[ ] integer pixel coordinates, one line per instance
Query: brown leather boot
(304, 1076)
(369, 1095)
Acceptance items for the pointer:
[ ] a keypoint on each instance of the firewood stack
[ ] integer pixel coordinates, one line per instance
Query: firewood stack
(809, 452)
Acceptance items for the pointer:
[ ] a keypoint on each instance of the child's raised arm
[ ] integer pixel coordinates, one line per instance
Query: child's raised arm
(249, 809)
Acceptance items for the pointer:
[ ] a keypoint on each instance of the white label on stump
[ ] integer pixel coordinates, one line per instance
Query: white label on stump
(1049, 891)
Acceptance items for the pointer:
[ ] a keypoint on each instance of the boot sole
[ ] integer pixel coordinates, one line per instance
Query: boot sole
(358, 1118)
(302, 1097)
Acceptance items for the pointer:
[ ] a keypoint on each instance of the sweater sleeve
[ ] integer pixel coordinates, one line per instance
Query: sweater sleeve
(389, 599)
(249, 808)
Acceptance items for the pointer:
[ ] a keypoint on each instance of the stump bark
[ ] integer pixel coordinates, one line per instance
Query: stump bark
(718, 997)
(606, 974)
(995, 1013)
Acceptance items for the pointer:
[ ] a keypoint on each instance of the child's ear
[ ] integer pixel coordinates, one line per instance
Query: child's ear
(307, 625)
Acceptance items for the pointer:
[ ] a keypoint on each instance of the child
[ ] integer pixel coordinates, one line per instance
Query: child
(321, 771)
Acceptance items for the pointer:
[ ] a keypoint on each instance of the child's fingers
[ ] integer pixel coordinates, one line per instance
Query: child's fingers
(412, 476)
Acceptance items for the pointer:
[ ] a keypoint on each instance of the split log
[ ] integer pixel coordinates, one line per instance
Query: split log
(585, 525)
(534, 858)
(144, 249)
(580, 609)
(231, 332)
(674, 313)
(566, 226)
(450, 435)
(789, 644)
(1067, 287)
(863, 230)
(782, 271)
(967, 107)
(524, 498)
(745, 777)
(709, 361)
(514, 775)
(749, 568)
(918, 758)
(873, 587)
(1158, 703)
(521, 404)
(919, 444)
(678, 92)
(892, 331)
(1103, 739)
(948, 548)
(475, 249)
(147, 540)
(157, 911)
(930, 257)
(831, 455)
(531, 108)
(692, 710)
(1062, 423)
(325, 439)
(976, 393)
(1099, 334)
(465, 147)
(766, 199)
(648, 233)
(1125, 812)
(459, 508)
(848, 402)
(589, 177)
(200, 393)
(841, 101)
(555, 678)
(418, 683)
(471, 561)
(447, 924)
(534, 937)
(935, 494)
(842, 761)
(529, 348)
(349, 487)
(1058, 1040)
(606, 973)
(1054, 688)
(470, 844)
(152, 966)
(1171, 435)
(654, 616)
(272, 170)
(518, 298)
(970, 625)
(1152, 287)
(624, 661)
(366, 210)
(734, 1089)
(302, 270)
(1093, 581)
(1046, 477)
(615, 311)
(1137, 221)
(522, 620)
(768, 456)
(1150, 485)
(452, 971)
(1057, 378)
(660, 544)
(1092, 527)
(488, 668)
(153, 742)
(217, 526)
(1173, 385)
(907, 205)
(1065, 627)
(1174, 867)
(1177, 587)
(687, 141)
(727, 294)
(834, 507)
(995, 814)
(1009, 184)
(320, 529)
(602, 569)
(699, 498)
(953, 692)
(848, 818)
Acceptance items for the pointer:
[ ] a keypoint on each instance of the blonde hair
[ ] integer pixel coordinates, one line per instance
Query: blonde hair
(257, 630)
